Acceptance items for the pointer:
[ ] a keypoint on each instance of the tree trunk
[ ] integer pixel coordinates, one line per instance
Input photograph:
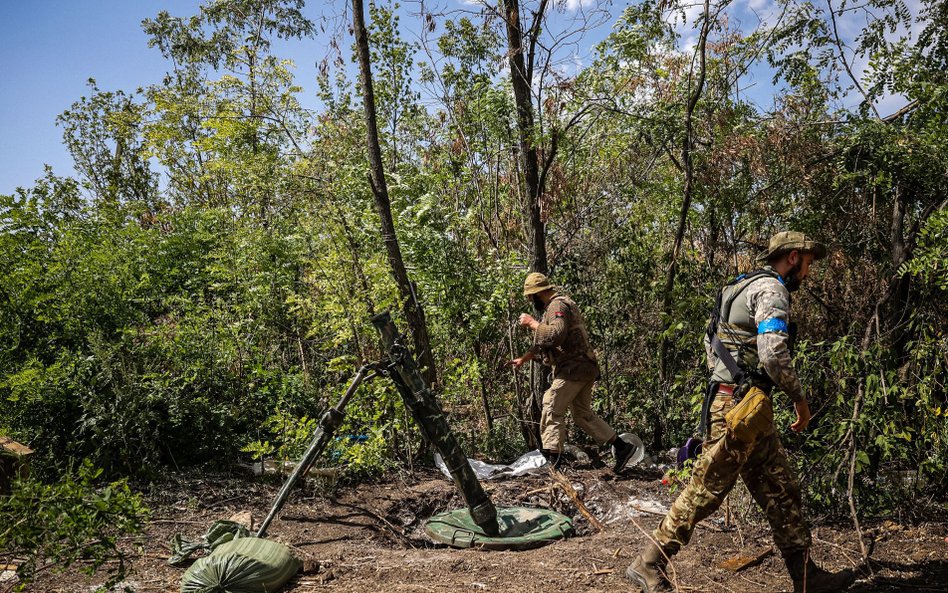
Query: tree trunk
(520, 76)
(895, 318)
(414, 313)
(520, 79)
(687, 193)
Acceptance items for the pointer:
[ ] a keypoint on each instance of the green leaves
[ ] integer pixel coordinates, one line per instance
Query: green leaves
(75, 521)
(217, 313)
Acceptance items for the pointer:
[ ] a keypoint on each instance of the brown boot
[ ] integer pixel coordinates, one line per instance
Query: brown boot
(810, 578)
(648, 570)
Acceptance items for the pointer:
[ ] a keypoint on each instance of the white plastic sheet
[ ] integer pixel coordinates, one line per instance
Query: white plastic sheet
(645, 506)
(529, 463)
(534, 462)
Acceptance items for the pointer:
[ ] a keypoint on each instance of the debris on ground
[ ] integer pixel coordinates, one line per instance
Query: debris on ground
(528, 463)
(371, 537)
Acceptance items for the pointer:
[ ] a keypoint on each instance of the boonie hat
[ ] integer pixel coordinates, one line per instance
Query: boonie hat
(790, 240)
(535, 283)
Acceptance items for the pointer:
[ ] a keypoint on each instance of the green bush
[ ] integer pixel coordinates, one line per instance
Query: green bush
(74, 522)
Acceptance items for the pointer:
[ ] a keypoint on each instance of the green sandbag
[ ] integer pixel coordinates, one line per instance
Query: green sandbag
(219, 533)
(244, 565)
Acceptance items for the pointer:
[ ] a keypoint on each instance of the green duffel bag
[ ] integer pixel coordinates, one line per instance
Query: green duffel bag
(244, 565)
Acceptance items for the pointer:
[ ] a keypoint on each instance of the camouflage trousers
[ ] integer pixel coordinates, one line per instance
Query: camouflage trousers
(575, 396)
(766, 472)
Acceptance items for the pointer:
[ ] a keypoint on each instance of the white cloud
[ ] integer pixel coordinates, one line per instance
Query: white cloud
(689, 43)
(760, 5)
(574, 5)
(693, 11)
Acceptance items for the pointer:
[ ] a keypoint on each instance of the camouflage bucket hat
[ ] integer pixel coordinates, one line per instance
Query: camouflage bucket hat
(535, 283)
(790, 240)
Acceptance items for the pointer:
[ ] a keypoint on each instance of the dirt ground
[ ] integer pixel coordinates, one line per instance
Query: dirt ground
(370, 538)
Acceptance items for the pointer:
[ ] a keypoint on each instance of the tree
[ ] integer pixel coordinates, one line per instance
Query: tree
(231, 138)
(104, 136)
(521, 76)
(412, 308)
(695, 89)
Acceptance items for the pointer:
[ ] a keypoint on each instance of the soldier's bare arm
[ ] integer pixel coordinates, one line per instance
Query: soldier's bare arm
(769, 302)
(527, 320)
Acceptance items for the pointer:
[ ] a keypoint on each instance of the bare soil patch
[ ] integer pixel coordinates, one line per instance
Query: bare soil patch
(370, 537)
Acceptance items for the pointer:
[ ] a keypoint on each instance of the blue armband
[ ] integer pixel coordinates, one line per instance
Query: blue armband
(772, 324)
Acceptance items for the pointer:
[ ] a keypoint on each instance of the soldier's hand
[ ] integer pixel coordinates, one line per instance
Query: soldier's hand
(802, 408)
(527, 320)
(518, 362)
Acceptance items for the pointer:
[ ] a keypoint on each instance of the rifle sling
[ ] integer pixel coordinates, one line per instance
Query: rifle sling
(736, 374)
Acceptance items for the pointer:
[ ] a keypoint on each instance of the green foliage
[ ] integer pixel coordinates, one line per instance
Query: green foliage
(74, 522)
(215, 315)
(928, 266)
(899, 435)
(677, 478)
(370, 457)
(291, 437)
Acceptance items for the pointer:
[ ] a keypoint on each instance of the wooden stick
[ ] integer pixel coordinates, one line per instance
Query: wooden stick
(702, 525)
(566, 487)
(739, 563)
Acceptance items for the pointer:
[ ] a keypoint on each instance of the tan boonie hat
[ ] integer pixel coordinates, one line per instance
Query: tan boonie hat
(790, 240)
(536, 283)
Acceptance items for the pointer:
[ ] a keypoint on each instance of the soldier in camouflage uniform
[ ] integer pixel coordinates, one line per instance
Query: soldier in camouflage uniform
(561, 341)
(752, 323)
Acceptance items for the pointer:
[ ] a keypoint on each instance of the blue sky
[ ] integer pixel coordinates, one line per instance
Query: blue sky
(50, 48)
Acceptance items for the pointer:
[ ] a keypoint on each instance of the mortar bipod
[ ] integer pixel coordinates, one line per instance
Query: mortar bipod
(328, 424)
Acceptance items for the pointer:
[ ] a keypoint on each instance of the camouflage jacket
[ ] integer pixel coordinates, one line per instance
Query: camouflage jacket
(757, 335)
(563, 343)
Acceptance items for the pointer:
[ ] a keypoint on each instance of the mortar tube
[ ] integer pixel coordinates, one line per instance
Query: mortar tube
(427, 413)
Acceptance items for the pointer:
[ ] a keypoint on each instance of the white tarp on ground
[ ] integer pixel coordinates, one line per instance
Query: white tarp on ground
(534, 462)
(645, 506)
(528, 463)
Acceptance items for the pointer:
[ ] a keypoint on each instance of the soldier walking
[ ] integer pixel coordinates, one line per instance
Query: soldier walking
(748, 353)
(561, 341)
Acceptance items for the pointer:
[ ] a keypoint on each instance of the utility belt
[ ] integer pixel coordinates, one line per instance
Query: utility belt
(739, 390)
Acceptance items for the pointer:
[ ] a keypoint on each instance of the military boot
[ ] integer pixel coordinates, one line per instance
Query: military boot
(810, 578)
(648, 570)
(623, 452)
(554, 458)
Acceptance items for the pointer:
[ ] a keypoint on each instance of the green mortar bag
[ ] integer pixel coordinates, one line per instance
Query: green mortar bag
(243, 565)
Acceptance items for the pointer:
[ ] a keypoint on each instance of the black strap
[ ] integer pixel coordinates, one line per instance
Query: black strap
(704, 421)
(732, 367)
(722, 311)
(736, 374)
